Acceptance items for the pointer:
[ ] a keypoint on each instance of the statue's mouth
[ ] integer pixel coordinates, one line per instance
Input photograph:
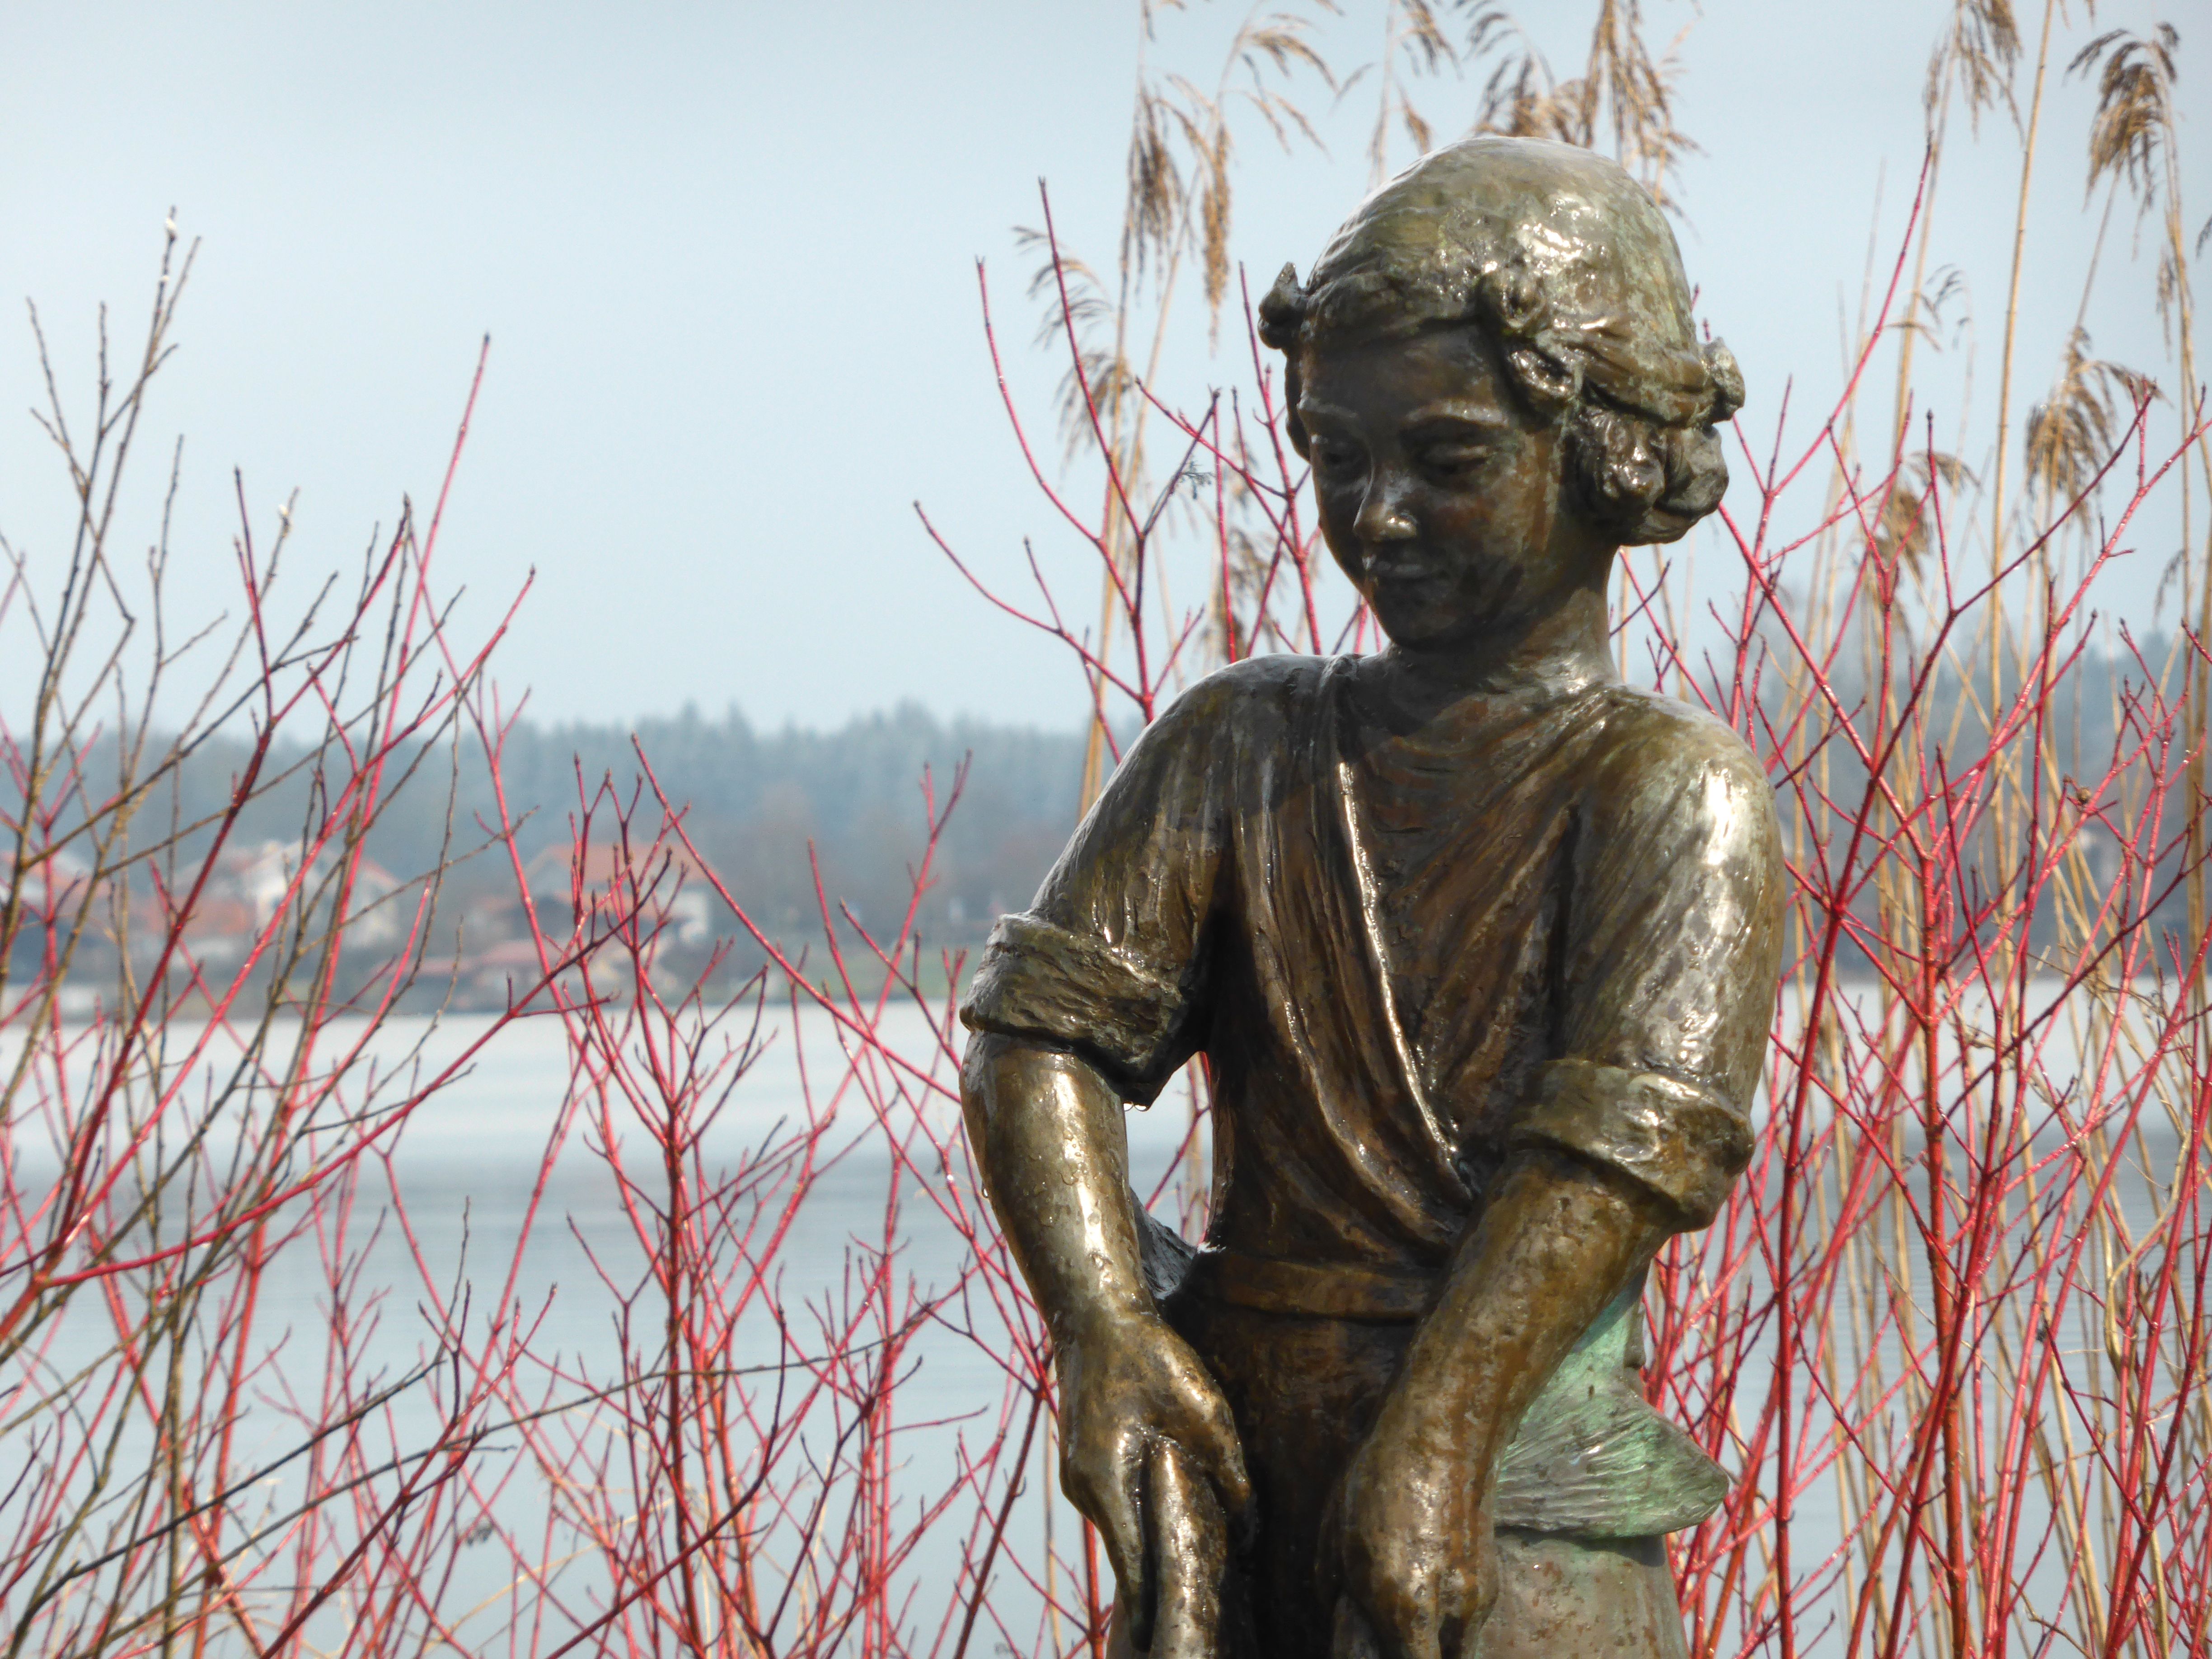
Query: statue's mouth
(1400, 567)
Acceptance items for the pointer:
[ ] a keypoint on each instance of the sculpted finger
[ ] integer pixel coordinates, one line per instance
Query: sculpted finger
(1329, 1551)
(1405, 1627)
(1221, 1454)
(1478, 1598)
(1421, 1639)
(1190, 1552)
(1109, 1497)
(1461, 1630)
(1353, 1638)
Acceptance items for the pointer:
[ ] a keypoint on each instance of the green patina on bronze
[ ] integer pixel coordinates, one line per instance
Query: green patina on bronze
(1592, 1459)
(1480, 944)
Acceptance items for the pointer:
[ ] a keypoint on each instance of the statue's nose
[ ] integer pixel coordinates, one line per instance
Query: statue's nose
(1385, 515)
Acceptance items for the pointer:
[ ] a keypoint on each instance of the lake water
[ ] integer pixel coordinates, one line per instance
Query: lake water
(466, 1162)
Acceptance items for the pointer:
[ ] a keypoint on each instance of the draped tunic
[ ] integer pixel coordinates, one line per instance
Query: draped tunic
(1549, 916)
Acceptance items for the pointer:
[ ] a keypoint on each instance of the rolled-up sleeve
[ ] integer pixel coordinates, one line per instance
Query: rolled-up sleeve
(1108, 961)
(1684, 1143)
(1038, 979)
(1674, 936)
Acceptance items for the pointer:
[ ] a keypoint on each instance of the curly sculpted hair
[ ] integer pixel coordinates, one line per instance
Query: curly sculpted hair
(1568, 267)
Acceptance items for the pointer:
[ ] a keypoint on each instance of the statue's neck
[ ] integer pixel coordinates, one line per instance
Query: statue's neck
(1562, 650)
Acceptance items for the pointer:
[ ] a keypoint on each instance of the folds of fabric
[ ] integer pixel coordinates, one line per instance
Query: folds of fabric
(1407, 948)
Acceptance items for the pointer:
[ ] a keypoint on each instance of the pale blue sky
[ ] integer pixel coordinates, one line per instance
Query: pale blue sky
(725, 253)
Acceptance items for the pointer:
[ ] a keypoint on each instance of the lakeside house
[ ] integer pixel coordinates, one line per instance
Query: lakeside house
(605, 883)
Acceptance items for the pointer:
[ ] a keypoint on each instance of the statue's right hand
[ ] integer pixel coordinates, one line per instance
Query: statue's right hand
(1127, 1384)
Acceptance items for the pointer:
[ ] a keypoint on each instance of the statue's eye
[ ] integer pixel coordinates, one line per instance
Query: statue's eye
(1453, 460)
(1336, 460)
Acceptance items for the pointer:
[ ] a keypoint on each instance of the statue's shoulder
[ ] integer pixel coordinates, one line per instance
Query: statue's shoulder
(1650, 730)
(1289, 676)
(1656, 753)
(1259, 694)
(1209, 735)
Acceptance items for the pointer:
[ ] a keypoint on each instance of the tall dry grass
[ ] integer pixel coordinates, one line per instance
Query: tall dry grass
(1950, 1331)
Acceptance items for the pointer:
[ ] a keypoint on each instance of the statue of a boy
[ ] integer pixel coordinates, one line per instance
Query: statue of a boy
(1481, 946)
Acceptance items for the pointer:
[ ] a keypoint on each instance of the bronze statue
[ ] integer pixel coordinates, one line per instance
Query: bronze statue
(1480, 944)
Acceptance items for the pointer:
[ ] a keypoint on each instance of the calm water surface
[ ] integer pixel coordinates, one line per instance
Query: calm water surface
(467, 1163)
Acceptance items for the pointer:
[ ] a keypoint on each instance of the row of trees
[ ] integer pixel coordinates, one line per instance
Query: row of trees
(1951, 1332)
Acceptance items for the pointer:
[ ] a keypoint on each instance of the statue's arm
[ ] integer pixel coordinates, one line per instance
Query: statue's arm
(1093, 997)
(1641, 1127)
(1556, 1242)
(1048, 1130)
(1638, 1131)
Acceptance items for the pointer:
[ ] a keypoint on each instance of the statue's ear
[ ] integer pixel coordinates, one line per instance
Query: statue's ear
(1547, 383)
(1513, 299)
(1292, 424)
(1727, 382)
(1282, 311)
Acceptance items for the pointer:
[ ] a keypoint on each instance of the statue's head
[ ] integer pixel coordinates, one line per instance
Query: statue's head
(1492, 368)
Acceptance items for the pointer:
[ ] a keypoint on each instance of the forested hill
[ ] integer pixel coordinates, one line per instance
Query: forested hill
(755, 803)
(758, 798)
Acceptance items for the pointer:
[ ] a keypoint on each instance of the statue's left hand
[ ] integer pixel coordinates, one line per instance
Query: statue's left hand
(1408, 1544)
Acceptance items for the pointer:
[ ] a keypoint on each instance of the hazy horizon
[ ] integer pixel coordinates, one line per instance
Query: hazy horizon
(725, 256)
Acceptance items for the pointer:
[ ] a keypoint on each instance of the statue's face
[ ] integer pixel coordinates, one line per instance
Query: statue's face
(1441, 494)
